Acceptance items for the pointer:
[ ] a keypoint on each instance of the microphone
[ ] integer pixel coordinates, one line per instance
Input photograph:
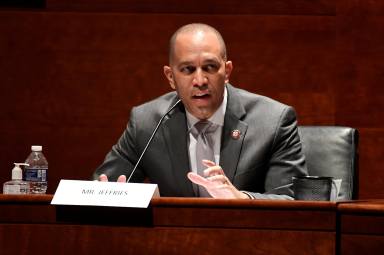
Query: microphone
(150, 139)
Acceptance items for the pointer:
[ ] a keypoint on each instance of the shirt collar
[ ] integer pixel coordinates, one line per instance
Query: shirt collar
(217, 118)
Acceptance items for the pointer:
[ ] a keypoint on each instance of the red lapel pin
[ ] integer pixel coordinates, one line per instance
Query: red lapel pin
(235, 134)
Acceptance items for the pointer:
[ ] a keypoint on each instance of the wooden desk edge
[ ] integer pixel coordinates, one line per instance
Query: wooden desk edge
(372, 206)
(193, 202)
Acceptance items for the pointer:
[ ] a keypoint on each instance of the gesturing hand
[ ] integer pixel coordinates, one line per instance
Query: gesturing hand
(215, 182)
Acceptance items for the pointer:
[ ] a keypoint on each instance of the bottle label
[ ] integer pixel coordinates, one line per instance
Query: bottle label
(35, 175)
(12, 189)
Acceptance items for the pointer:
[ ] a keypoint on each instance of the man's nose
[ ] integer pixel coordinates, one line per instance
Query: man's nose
(200, 78)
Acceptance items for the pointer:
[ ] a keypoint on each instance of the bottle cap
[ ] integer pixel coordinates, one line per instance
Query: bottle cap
(36, 148)
(17, 173)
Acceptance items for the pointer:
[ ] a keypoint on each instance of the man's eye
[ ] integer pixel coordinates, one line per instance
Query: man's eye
(211, 68)
(188, 69)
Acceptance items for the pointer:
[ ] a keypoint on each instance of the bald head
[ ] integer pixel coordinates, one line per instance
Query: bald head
(196, 28)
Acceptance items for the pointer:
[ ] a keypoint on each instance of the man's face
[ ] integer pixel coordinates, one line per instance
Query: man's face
(198, 72)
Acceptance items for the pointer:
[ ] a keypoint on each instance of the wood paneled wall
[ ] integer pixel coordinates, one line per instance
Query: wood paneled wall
(71, 71)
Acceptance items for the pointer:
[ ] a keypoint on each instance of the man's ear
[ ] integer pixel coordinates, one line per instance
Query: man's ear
(169, 75)
(228, 70)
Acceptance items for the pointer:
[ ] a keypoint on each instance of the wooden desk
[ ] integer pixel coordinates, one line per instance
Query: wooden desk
(30, 225)
(361, 227)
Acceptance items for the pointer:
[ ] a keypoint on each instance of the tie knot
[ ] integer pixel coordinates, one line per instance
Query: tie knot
(202, 126)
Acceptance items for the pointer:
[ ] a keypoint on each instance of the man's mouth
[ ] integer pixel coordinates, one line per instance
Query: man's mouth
(203, 96)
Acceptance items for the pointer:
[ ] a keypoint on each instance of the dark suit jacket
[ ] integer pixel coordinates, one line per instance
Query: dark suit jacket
(263, 160)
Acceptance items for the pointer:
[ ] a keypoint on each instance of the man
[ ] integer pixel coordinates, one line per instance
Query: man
(251, 151)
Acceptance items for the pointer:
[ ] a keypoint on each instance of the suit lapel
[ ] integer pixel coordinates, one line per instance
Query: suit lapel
(175, 134)
(230, 144)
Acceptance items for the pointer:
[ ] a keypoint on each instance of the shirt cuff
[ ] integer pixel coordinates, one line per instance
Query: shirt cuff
(248, 194)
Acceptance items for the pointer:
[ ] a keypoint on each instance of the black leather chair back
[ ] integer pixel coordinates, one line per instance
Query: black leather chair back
(332, 151)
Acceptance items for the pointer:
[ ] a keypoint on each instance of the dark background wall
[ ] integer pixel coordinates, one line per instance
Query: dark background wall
(70, 70)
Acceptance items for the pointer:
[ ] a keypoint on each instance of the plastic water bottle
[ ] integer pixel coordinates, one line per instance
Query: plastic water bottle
(36, 171)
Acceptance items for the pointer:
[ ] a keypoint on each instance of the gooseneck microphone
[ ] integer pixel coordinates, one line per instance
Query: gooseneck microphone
(151, 138)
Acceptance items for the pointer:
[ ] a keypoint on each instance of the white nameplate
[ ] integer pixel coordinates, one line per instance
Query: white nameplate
(97, 193)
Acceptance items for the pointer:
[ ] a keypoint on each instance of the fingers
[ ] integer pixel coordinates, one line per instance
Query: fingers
(103, 178)
(197, 179)
(208, 163)
(218, 186)
(212, 169)
(122, 178)
(216, 181)
(219, 179)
